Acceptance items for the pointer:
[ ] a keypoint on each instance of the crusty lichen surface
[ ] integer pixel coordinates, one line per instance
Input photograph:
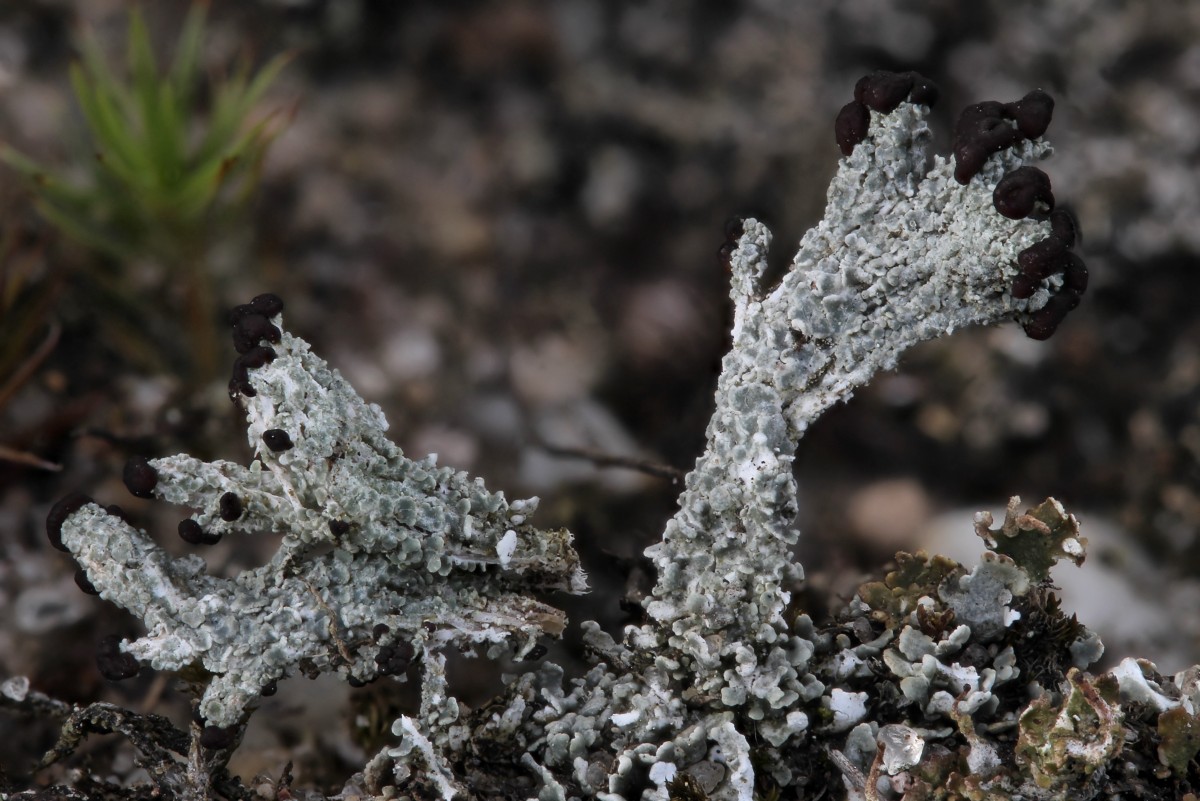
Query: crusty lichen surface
(379, 552)
(938, 682)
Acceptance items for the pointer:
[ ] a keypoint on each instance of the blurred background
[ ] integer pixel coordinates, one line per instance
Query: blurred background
(500, 221)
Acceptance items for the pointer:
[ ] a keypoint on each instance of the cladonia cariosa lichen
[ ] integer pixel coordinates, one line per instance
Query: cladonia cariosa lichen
(380, 553)
(924, 687)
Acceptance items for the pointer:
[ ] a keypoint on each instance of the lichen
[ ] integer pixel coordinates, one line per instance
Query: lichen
(1034, 540)
(380, 553)
(1063, 742)
(1179, 739)
(940, 682)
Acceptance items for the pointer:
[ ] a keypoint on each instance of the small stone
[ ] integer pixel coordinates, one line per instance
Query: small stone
(15, 688)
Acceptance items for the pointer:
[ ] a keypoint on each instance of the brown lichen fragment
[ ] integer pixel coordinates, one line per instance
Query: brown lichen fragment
(970, 787)
(1036, 539)
(1179, 739)
(916, 576)
(929, 780)
(935, 622)
(1063, 742)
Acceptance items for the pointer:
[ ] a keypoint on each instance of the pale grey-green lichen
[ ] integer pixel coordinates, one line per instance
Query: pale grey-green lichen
(904, 253)
(924, 687)
(370, 539)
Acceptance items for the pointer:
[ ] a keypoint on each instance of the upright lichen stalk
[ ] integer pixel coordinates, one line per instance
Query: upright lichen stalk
(904, 253)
